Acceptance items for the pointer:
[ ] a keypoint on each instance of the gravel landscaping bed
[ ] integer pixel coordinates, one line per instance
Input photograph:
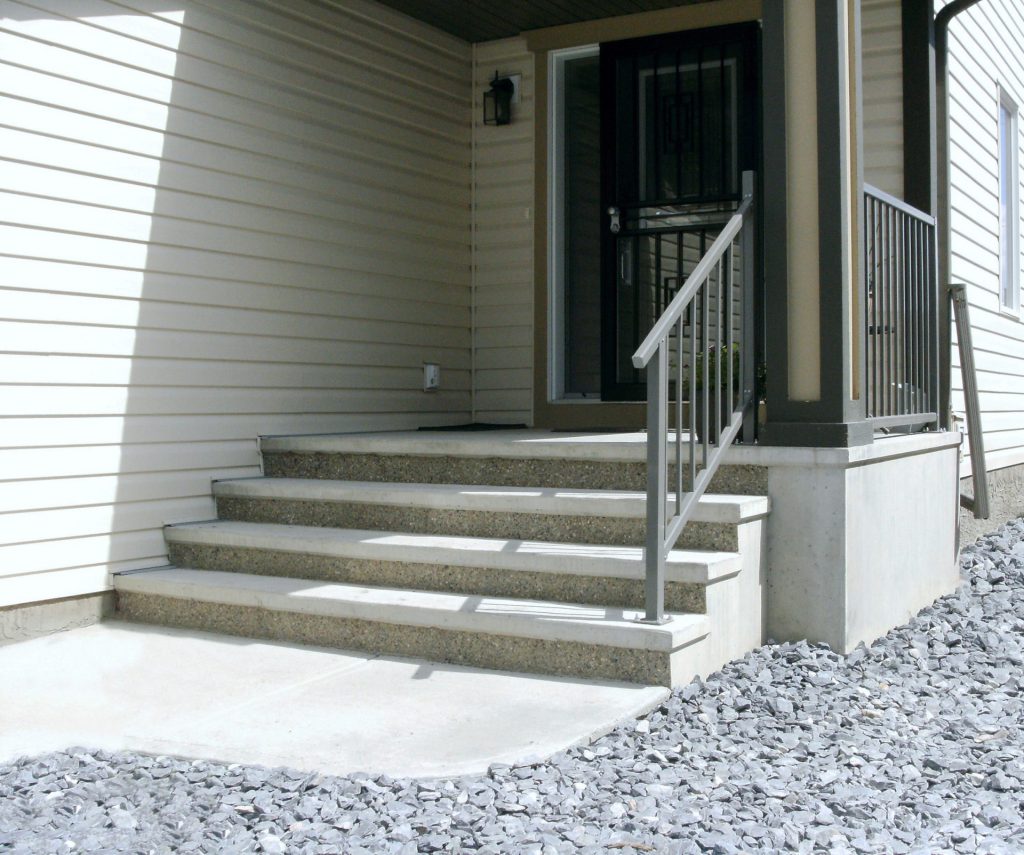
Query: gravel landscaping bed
(913, 744)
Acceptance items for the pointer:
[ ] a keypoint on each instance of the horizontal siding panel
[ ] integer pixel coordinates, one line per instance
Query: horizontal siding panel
(36, 526)
(984, 46)
(311, 288)
(109, 490)
(183, 233)
(511, 314)
(23, 464)
(240, 97)
(503, 295)
(121, 371)
(96, 311)
(505, 404)
(497, 358)
(45, 557)
(58, 338)
(231, 168)
(35, 432)
(291, 213)
(120, 44)
(86, 249)
(75, 582)
(149, 125)
(216, 222)
(504, 378)
(277, 187)
(172, 401)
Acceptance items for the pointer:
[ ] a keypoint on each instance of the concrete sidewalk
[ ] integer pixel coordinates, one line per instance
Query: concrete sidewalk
(191, 694)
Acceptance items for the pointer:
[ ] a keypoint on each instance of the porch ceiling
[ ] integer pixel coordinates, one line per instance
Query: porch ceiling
(477, 21)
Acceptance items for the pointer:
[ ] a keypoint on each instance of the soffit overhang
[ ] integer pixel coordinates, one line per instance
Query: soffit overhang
(475, 21)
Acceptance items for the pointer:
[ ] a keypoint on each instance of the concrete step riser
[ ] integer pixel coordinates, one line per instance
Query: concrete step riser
(499, 472)
(558, 528)
(565, 588)
(454, 646)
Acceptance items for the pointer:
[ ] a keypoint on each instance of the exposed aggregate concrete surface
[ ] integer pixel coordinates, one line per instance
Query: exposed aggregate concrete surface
(913, 744)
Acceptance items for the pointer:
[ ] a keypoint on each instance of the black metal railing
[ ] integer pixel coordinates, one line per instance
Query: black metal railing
(901, 313)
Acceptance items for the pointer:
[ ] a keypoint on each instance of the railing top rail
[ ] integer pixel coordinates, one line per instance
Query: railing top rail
(672, 312)
(899, 204)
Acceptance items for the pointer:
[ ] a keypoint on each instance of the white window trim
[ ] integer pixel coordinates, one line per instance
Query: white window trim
(1009, 247)
(556, 225)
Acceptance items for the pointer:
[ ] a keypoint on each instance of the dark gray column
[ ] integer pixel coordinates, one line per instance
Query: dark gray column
(834, 419)
(919, 138)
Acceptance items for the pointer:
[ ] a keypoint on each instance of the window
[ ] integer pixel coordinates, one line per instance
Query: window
(1009, 208)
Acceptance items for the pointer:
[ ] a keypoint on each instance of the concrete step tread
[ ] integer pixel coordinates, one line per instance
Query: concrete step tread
(549, 621)
(625, 562)
(714, 508)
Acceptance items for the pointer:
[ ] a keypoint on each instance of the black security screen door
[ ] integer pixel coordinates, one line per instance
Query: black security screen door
(679, 127)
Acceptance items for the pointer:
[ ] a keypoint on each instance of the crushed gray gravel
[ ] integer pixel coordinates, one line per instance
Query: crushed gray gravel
(911, 745)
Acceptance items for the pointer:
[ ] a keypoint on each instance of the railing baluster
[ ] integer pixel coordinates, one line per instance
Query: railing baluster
(692, 309)
(718, 352)
(705, 380)
(898, 335)
(679, 412)
(730, 395)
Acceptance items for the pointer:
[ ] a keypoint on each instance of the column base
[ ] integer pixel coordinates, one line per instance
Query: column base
(817, 434)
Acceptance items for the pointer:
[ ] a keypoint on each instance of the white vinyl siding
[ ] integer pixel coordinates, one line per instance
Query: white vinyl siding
(503, 242)
(221, 219)
(882, 70)
(985, 44)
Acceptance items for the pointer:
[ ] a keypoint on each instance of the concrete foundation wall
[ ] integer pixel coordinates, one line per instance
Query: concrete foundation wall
(900, 541)
(21, 623)
(860, 539)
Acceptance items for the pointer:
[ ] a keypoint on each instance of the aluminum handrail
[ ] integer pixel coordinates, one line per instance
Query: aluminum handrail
(977, 504)
(700, 273)
(723, 415)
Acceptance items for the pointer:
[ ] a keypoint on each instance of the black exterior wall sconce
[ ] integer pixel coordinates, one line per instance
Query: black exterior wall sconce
(498, 101)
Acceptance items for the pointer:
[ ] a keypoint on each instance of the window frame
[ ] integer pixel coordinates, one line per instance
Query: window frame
(557, 60)
(1008, 146)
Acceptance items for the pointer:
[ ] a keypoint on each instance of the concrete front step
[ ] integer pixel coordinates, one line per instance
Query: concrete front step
(577, 573)
(547, 514)
(511, 634)
(611, 461)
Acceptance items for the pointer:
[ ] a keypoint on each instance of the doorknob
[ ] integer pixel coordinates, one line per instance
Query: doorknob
(614, 225)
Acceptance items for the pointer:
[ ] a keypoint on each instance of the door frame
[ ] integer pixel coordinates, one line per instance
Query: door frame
(592, 414)
(747, 158)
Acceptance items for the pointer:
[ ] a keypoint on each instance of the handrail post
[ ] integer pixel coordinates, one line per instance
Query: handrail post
(747, 339)
(657, 477)
(978, 505)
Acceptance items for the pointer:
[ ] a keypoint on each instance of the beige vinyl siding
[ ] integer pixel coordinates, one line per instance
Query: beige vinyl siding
(220, 219)
(503, 242)
(882, 69)
(985, 46)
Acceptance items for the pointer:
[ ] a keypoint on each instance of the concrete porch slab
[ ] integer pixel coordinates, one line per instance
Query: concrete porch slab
(608, 447)
(191, 694)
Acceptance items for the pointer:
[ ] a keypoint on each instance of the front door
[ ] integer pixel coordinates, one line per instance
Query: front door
(679, 119)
